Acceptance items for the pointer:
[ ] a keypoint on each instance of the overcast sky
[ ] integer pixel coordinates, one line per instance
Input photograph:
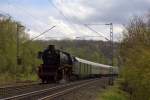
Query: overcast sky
(69, 16)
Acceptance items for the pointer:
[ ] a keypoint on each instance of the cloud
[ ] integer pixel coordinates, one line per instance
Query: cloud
(117, 11)
(74, 9)
(69, 16)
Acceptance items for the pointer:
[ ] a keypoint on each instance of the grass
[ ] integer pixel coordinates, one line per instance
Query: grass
(27, 77)
(113, 93)
(7, 78)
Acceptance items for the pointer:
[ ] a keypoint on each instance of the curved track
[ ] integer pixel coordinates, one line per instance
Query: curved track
(47, 91)
(21, 89)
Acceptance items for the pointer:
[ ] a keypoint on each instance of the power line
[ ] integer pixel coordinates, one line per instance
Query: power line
(43, 33)
(87, 36)
(27, 13)
(71, 23)
(97, 24)
(35, 19)
(39, 34)
(95, 31)
(111, 39)
(31, 15)
(62, 14)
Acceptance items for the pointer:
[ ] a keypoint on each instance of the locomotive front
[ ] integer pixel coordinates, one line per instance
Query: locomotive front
(56, 65)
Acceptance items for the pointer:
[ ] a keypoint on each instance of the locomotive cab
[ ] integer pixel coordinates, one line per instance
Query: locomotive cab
(56, 65)
(47, 71)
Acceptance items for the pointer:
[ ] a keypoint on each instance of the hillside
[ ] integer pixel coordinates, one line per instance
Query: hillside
(97, 51)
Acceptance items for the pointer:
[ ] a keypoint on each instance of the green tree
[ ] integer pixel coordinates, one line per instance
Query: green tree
(9, 70)
(135, 56)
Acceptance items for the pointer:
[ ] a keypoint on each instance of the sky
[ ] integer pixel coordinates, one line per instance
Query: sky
(71, 16)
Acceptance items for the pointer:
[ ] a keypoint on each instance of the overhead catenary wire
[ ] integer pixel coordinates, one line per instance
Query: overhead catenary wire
(66, 18)
(87, 36)
(59, 11)
(85, 25)
(95, 31)
(43, 33)
(39, 34)
(63, 15)
(27, 13)
(33, 17)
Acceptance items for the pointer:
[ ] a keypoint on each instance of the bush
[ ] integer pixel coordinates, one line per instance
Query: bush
(113, 93)
(8, 52)
(135, 55)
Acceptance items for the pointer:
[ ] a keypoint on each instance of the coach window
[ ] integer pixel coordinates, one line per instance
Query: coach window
(87, 68)
(90, 69)
(83, 68)
(79, 67)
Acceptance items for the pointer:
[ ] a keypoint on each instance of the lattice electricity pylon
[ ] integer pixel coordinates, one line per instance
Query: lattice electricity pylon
(111, 38)
(111, 42)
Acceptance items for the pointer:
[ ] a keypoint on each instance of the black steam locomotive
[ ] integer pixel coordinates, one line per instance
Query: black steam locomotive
(59, 65)
(56, 65)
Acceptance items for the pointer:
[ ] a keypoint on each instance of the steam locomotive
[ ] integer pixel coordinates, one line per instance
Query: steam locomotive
(61, 66)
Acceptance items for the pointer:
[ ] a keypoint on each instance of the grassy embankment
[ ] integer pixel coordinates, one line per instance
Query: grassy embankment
(113, 93)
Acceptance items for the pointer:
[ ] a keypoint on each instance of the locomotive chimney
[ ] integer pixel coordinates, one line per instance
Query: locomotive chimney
(51, 47)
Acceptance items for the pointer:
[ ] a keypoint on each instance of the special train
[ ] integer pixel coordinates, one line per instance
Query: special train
(59, 65)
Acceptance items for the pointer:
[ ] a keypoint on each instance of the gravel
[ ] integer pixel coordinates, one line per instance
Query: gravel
(89, 92)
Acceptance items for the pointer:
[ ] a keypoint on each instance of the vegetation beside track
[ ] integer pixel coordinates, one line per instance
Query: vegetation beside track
(113, 93)
(135, 59)
(9, 70)
(134, 52)
(97, 51)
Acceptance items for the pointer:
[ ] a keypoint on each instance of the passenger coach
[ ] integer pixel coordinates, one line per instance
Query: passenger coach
(84, 68)
(59, 65)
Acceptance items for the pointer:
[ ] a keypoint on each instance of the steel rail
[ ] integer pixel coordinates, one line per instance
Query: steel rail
(18, 85)
(44, 90)
(17, 90)
(64, 91)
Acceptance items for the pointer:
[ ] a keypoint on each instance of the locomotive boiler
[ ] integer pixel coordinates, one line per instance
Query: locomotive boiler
(57, 65)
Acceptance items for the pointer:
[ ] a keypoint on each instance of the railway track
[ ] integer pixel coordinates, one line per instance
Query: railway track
(18, 83)
(49, 92)
(9, 91)
(65, 91)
